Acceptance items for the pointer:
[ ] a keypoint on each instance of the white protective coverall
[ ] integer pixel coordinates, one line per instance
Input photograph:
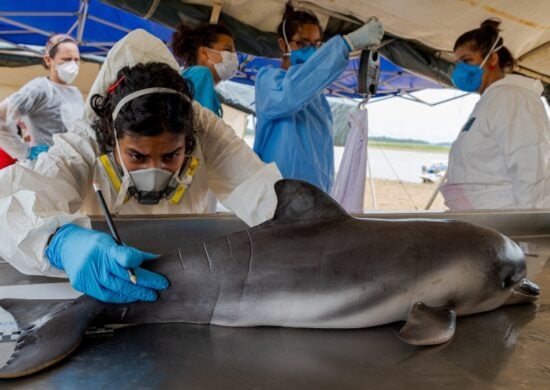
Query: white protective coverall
(501, 158)
(46, 107)
(34, 203)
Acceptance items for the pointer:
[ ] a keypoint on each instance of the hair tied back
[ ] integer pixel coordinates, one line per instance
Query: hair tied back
(115, 85)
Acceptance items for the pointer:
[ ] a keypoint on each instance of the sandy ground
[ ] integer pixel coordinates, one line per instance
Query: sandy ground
(402, 196)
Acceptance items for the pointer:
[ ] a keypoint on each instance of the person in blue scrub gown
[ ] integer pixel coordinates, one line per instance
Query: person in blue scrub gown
(294, 122)
(208, 56)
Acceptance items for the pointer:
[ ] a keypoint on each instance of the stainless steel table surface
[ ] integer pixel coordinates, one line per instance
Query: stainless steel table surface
(505, 348)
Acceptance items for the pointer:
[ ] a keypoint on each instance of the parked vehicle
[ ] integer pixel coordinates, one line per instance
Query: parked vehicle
(433, 172)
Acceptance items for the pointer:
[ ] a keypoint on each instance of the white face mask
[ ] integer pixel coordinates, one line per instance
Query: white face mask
(67, 71)
(152, 184)
(228, 65)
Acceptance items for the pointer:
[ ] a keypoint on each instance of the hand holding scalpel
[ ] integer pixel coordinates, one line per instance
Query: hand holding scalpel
(112, 226)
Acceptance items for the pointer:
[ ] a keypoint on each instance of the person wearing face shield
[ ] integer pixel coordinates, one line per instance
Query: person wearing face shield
(152, 150)
(208, 56)
(294, 122)
(501, 158)
(47, 105)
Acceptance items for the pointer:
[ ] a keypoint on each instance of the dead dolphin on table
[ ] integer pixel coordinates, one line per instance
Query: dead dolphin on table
(311, 266)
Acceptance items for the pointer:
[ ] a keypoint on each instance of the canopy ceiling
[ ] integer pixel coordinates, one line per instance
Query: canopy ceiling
(94, 25)
(420, 33)
(97, 26)
(419, 38)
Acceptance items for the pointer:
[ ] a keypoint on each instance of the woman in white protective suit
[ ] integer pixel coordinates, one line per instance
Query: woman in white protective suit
(154, 151)
(501, 158)
(47, 105)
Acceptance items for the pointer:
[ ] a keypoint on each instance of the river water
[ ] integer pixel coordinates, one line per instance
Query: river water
(404, 165)
(392, 164)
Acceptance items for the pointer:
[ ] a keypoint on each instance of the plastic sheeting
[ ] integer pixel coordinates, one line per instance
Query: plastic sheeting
(349, 186)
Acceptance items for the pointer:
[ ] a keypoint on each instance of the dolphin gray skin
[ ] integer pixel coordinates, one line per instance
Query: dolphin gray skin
(312, 265)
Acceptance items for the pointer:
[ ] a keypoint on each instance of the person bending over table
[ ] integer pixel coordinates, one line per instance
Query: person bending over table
(152, 150)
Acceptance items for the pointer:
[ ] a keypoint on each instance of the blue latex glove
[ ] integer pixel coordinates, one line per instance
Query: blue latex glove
(36, 150)
(97, 265)
(369, 35)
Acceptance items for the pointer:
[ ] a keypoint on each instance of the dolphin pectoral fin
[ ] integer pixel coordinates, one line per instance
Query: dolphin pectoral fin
(50, 331)
(429, 325)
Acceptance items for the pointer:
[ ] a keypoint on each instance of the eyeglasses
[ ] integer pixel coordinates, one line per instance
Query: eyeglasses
(306, 44)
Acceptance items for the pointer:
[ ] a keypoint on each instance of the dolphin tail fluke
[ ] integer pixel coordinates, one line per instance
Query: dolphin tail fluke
(50, 331)
(429, 325)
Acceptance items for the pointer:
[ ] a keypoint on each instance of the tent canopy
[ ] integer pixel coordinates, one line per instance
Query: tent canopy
(393, 79)
(97, 26)
(420, 33)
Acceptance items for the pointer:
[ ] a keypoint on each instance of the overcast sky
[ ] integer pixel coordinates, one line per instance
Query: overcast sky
(401, 118)
(397, 117)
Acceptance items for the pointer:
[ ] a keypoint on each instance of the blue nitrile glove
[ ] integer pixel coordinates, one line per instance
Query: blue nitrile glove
(97, 265)
(369, 35)
(34, 151)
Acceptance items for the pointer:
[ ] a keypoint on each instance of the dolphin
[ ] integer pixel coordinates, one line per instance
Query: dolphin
(311, 266)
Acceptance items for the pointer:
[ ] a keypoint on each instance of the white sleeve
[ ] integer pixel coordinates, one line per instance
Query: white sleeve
(236, 175)
(524, 138)
(10, 141)
(34, 203)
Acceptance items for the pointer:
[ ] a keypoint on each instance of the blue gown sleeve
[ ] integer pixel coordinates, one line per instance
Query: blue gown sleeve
(203, 85)
(280, 93)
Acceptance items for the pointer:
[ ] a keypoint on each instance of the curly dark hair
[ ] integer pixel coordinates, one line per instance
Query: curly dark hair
(482, 39)
(147, 115)
(187, 40)
(293, 20)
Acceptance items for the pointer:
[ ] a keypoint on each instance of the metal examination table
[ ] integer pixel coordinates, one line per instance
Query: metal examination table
(506, 348)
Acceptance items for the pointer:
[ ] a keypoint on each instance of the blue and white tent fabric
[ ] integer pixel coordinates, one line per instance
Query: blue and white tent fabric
(95, 26)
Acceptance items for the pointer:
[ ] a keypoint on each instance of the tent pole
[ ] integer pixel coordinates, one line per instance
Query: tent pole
(82, 16)
(216, 10)
(151, 11)
(439, 185)
(371, 179)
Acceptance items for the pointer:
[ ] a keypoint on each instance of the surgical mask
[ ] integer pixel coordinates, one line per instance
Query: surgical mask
(468, 77)
(228, 65)
(67, 71)
(150, 185)
(301, 55)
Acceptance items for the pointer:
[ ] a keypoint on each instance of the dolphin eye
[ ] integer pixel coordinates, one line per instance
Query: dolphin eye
(507, 282)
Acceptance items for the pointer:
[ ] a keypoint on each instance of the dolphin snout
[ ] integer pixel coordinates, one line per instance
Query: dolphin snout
(528, 288)
(524, 292)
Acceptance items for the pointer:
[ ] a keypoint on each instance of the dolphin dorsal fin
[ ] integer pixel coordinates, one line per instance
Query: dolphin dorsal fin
(299, 200)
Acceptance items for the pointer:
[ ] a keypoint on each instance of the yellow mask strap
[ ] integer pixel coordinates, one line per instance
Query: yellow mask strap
(186, 182)
(112, 173)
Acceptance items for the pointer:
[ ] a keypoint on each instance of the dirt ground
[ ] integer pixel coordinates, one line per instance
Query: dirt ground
(393, 195)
